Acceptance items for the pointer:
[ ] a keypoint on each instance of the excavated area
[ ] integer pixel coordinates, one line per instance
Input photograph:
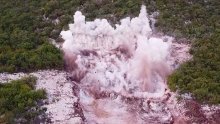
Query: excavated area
(121, 72)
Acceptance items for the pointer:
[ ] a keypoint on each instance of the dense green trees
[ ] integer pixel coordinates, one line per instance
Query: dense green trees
(45, 56)
(113, 10)
(25, 28)
(18, 101)
(199, 21)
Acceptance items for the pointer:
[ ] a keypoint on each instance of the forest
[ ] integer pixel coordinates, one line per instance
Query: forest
(27, 26)
(199, 22)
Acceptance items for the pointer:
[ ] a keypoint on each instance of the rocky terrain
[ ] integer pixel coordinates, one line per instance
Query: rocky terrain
(65, 106)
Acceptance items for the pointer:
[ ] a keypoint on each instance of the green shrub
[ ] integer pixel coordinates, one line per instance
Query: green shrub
(18, 101)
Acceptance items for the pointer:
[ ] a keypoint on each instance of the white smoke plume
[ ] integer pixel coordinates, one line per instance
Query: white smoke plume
(127, 60)
(128, 49)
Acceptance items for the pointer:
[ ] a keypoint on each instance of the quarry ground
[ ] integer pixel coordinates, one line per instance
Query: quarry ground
(63, 103)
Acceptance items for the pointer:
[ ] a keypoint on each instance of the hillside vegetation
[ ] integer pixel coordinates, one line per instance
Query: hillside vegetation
(18, 101)
(26, 25)
(198, 21)
(24, 34)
